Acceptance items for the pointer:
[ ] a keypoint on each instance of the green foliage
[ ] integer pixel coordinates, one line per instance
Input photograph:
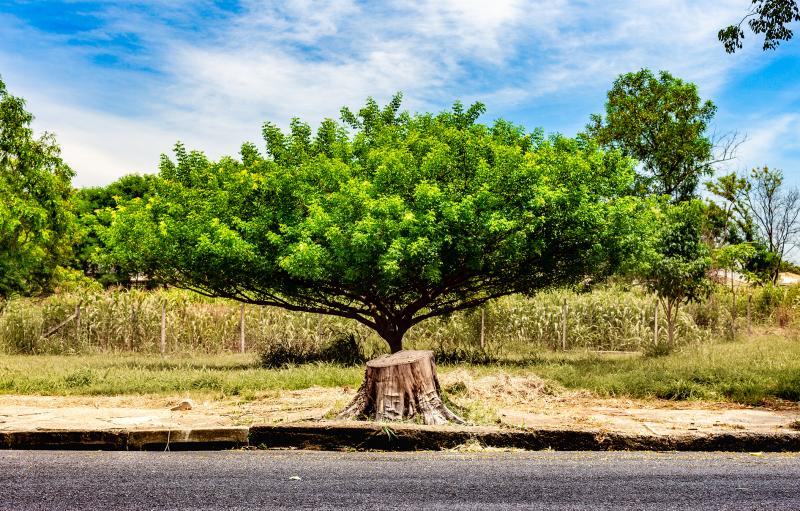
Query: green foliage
(661, 122)
(736, 258)
(93, 207)
(407, 218)
(768, 17)
(35, 215)
(677, 272)
(680, 260)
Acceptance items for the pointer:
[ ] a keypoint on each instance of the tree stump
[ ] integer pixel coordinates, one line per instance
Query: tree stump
(401, 386)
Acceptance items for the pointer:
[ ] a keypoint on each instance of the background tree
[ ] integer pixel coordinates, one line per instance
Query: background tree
(35, 216)
(730, 223)
(728, 219)
(407, 218)
(735, 259)
(679, 261)
(661, 122)
(768, 17)
(93, 207)
(775, 209)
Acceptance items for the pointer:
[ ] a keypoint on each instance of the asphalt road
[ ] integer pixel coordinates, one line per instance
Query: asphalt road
(484, 480)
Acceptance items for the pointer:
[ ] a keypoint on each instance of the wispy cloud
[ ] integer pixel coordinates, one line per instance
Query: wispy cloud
(140, 75)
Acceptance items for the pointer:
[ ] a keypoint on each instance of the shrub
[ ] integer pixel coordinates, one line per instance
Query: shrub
(344, 350)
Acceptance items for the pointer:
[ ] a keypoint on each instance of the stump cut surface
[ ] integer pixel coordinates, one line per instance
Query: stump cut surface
(401, 386)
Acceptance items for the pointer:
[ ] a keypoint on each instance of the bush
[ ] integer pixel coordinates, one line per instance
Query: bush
(463, 355)
(344, 350)
(661, 349)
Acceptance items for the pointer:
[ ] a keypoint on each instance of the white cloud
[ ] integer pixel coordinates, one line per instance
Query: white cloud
(768, 140)
(307, 58)
(101, 147)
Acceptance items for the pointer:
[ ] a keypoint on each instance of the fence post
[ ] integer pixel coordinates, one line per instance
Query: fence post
(564, 325)
(655, 324)
(163, 327)
(749, 321)
(241, 329)
(78, 323)
(133, 326)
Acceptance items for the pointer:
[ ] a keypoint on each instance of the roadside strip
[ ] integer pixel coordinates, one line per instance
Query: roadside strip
(391, 437)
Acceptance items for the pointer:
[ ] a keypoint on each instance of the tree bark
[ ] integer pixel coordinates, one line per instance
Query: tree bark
(401, 386)
(393, 334)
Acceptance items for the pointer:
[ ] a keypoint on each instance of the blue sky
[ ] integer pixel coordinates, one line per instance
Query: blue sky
(120, 82)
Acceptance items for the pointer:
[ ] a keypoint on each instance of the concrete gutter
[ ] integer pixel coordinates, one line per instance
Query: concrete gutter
(392, 437)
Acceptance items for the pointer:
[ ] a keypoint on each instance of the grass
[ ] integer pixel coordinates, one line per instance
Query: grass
(749, 371)
(119, 374)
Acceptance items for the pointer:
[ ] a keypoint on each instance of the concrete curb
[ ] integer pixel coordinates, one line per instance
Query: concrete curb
(127, 440)
(402, 437)
(390, 437)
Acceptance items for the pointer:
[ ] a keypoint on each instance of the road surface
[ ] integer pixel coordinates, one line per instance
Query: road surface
(450, 480)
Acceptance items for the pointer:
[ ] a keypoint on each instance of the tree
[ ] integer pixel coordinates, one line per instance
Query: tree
(730, 223)
(776, 211)
(734, 259)
(93, 207)
(408, 217)
(680, 261)
(35, 216)
(661, 122)
(728, 219)
(768, 17)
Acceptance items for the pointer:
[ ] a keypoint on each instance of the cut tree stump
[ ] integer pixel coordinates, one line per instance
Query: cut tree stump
(401, 386)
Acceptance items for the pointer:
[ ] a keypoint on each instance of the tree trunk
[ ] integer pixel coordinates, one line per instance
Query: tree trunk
(401, 386)
(393, 334)
(671, 319)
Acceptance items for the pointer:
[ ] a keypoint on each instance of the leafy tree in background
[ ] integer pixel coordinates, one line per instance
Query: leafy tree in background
(768, 17)
(93, 207)
(406, 218)
(734, 259)
(729, 222)
(775, 208)
(679, 262)
(661, 122)
(35, 215)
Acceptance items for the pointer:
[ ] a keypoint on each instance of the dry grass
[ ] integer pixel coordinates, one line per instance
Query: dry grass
(515, 327)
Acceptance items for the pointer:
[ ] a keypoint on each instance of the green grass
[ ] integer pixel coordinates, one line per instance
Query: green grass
(751, 371)
(747, 371)
(115, 374)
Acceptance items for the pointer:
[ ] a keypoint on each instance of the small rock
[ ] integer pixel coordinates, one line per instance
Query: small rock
(295, 478)
(183, 405)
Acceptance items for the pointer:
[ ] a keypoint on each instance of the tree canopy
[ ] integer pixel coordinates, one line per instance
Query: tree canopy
(35, 214)
(661, 122)
(388, 218)
(768, 17)
(679, 261)
(93, 209)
